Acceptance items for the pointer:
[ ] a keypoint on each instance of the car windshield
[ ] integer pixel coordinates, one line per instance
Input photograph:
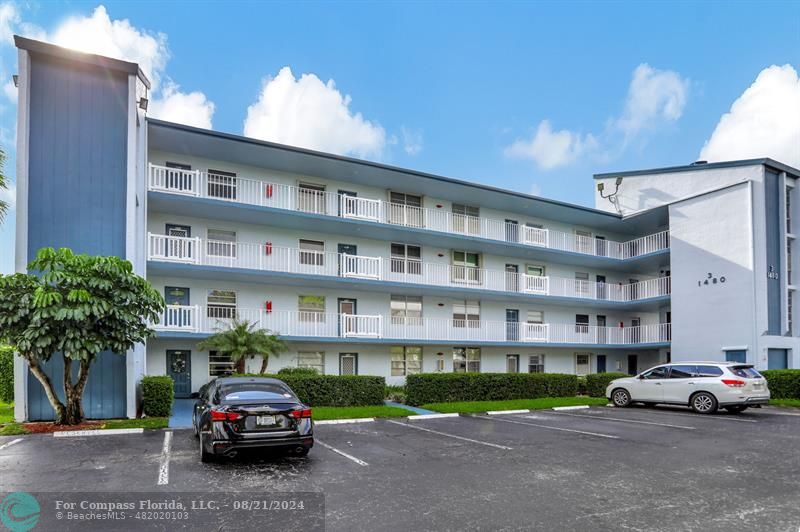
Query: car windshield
(746, 372)
(254, 390)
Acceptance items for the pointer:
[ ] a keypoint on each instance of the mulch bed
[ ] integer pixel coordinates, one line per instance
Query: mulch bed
(44, 428)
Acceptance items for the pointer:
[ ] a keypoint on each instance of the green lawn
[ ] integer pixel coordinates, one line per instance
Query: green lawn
(785, 402)
(321, 413)
(145, 423)
(516, 404)
(6, 412)
(12, 429)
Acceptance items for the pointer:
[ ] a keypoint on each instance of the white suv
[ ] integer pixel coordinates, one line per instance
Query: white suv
(704, 386)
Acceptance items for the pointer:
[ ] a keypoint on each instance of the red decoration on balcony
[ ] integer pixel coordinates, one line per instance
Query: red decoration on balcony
(621, 324)
(268, 190)
(268, 306)
(268, 248)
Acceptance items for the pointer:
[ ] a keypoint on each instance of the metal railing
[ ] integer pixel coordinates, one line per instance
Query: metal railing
(328, 325)
(311, 200)
(267, 257)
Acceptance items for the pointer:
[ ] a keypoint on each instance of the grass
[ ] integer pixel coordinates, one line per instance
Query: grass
(321, 413)
(144, 423)
(472, 407)
(12, 429)
(785, 402)
(6, 412)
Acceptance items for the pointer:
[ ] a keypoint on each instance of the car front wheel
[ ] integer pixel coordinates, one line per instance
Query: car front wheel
(621, 398)
(703, 403)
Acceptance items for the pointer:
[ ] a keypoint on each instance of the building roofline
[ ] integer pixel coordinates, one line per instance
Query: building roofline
(765, 161)
(41, 47)
(371, 164)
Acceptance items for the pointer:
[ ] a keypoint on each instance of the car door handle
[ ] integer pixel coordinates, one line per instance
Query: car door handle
(690, 383)
(658, 384)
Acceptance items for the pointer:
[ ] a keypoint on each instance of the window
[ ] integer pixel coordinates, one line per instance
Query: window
(406, 360)
(708, 371)
(745, 372)
(406, 259)
(221, 243)
(466, 359)
(312, 252)
(312, 359)
(406, 209)
(536, 364)
(311, 308)
(466, 219)
(582, 364)
(220, 364)
(466, 267)
(221, 184)
(311, 198)
(681, 372)
(582, 284)
(583, 241)
(789, 209)
(221, 304)
(406, 310)
(467, 314)
(789, 312)
(788, 261)
(536, 316)
(656, 373)
(582, 323)
(512, 363)
(535, 270)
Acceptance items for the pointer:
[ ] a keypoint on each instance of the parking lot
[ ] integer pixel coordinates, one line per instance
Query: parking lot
(596, 469)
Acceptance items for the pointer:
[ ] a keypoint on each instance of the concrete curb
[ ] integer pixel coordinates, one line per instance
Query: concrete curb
(343, 421)
(501, 412)
(95, 432)
(576, 407)
(431, 416)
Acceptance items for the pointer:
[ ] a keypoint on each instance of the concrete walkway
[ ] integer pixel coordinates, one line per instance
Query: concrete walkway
(411, 408)
(181, 417)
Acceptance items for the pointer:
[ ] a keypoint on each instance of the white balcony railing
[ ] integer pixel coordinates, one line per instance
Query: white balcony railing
(266, 257)
(327, 325)
(309, 199)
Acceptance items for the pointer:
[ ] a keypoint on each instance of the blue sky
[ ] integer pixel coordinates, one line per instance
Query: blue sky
(456, 89)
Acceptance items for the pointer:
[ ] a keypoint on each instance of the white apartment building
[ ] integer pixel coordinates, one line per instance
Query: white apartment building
(365, 268)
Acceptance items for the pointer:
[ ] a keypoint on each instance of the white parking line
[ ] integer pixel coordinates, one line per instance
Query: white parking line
(504, 412)
(163, 470)
(431, 416)
(623, 420)
(416, 427)
(687, 413)
(95, 432)
(344, 421)
(587, 433)
(342, 453)
(9, 444)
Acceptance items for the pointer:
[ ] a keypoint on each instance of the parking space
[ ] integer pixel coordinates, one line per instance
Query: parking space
(598, 469)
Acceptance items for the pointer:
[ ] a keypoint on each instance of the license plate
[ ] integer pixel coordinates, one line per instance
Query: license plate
(265, 421)
(758, 386)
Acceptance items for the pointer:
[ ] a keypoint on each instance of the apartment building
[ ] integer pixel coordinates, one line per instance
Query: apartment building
(365, 268)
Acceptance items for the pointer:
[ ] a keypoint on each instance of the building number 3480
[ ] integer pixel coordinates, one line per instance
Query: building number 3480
(711, 279)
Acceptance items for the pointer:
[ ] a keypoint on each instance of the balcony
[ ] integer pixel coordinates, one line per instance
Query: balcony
(260, 193)
(302, 325)
(266, 257)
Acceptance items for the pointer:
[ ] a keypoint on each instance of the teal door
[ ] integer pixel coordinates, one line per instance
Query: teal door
(179, 366)
(777, 358)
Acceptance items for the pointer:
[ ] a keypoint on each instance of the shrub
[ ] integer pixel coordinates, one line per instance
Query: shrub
(333, 390)
(298, 371)
(157, 395)
(783, 383)
(450, 387)
(6, 374)
(396, 393)
(596, 383)
(582, 385)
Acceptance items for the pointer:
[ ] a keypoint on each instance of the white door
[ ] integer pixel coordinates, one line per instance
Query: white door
(680, 384)
(649, 386)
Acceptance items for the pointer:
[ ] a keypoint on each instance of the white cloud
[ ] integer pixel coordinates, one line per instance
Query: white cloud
(536, 189)
(192, 108)
(550, 149)
(763, 122)
(412, 140)
(10, 90)
(653, 96)
(309, 113)
(99, 34)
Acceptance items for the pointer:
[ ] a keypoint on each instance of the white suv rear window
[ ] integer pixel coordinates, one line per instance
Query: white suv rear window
(745, 372)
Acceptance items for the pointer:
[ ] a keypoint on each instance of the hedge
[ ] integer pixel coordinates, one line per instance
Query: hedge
(596, 383)
(157, 395)
(451, 387)
(333, 390)
(783, 383)
(6, 374)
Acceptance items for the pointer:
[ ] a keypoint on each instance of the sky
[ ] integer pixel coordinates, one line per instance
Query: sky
(530, 96)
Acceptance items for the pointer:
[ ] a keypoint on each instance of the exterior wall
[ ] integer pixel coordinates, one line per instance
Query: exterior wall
(640, 192)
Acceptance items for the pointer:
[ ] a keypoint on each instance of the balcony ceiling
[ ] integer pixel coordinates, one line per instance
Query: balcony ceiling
(181, 139)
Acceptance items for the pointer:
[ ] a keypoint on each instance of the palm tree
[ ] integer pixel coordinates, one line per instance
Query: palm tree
(242, 339)
(3, 185)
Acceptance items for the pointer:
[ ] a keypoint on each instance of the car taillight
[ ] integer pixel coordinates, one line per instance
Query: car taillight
(297, 414)
(219, 415)
(735, 383)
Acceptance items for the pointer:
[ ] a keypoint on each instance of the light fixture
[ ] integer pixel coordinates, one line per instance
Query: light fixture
(16, 80)
(613, 196)
(143, 103)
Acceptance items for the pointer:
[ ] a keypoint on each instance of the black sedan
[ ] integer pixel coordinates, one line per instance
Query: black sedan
(235, 413)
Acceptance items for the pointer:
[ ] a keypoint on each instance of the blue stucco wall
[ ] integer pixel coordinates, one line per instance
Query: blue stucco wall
(77, 185)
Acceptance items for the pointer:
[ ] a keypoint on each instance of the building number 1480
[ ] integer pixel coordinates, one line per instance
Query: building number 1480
(711, 280)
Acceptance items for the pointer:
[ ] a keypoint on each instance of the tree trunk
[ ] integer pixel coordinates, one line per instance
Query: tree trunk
(75, 398)
(240, 365)
(47, 384)
(264, 361)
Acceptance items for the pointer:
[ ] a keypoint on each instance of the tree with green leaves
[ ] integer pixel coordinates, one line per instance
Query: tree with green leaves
(242, 339)
(78, 306)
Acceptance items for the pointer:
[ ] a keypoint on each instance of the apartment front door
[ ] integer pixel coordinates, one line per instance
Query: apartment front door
(179, 365)
(347, 207)
(347, 324)
(346, 266)
(512, 231)
(601, 287)
(633, 364)
(512, 277)
(181, 247)
(348, 363)
(512, 325)
(176, 296)
(601, 330)
(601, 363)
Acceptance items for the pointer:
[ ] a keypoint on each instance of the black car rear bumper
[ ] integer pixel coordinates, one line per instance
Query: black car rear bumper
(222, 447)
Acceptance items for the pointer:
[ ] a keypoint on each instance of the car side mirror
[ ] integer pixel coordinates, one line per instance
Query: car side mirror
(640, 377)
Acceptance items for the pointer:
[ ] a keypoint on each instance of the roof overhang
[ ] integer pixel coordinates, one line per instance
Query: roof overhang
(696, 167)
